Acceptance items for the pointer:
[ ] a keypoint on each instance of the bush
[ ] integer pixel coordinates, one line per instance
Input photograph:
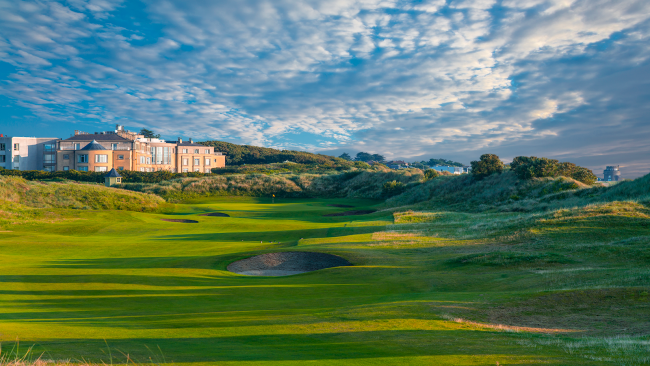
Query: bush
(393, 188)
(488, 165)
(430, 174)
(529, 167)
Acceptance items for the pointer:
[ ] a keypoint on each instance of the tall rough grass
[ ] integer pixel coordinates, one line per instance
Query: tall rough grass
(16, 192)
(355, 184)
(507, 193)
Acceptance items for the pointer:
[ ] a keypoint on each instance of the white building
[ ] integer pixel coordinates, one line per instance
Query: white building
(450, 169)
(28, 153)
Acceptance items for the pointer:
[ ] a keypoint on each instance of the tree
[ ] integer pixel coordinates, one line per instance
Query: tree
(378, 158)
(345, 156)
(149, 134)
(488, 164)
(363, 156)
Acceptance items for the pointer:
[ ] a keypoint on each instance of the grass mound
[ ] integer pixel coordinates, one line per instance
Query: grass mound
(18, 196)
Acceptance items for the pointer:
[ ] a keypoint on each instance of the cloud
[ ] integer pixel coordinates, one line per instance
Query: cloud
(400, 78)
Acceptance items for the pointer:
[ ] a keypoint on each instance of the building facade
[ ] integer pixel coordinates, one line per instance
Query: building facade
(125, 150)
(28, 153)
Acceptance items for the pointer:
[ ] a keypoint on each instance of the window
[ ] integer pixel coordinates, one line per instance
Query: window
(120, 168)
(49, 147)
(196, 151)
(142, 169)
(100, 168)
(120, 157)
(3, 159)
(197, 161)
(207, 170)
(66, 156)
(16, 147)
(83, 168)
(49, 159)
(148, 160)
(185, 161)
(197, 169)
(207, 161)
(77, 146)
(3, 147)
(142, 160)
(82, 158)
(184, 151)
(114, 146)
(207, 151)
(16, 158)
(66, 168)
(101, 159)
(184, 170)
(48, 168)
(118, 180)
(160, 155)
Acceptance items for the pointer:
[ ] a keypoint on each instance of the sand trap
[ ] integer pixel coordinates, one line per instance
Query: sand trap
(181, 221)
(286, 263)
(351, 213)
(218, 214)
(342, 206)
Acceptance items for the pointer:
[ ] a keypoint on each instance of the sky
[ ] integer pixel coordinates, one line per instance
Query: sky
(412, 80)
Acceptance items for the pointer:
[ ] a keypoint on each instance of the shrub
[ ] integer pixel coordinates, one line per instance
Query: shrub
(430, 174)
(393, 188)
(488, 164)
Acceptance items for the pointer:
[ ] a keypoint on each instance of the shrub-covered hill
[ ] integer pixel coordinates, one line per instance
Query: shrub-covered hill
(246, 154)
(507, 192)
(16, 192)
(352, 184)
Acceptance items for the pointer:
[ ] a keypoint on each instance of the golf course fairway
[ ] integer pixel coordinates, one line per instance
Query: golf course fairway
(100, 285)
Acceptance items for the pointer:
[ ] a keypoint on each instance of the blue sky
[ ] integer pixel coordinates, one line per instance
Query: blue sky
(406, 79)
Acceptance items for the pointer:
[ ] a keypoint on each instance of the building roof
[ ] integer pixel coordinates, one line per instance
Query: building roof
(187, 143)
(113, 174)
(97, 137)
(94, 145)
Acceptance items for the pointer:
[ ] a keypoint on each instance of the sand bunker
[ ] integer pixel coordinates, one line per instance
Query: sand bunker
(181, 221)
(342, 206)
(218, 214)
(286, 263)
(351, 213)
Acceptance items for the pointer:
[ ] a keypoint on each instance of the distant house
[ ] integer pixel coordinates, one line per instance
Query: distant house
(397, 164)
(450, 169)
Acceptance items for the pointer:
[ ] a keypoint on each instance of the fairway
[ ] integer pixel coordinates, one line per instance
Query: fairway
(88, 282)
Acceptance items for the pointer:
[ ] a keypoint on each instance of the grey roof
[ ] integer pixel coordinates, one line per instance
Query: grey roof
(187, 143)
(94, 145)
(97, 137)
(113, 174)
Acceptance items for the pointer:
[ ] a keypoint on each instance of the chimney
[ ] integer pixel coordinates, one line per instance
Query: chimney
(180, 140)
(191, 142)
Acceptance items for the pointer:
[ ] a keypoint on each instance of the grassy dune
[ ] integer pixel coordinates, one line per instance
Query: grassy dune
(26, 201)
(468, 286)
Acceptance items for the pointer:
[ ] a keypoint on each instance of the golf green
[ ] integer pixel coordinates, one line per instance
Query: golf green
(100, 285)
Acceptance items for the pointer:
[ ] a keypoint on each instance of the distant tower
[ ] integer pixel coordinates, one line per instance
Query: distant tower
(612, 173)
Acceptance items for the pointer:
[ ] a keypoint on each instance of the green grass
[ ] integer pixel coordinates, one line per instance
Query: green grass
(443, 288)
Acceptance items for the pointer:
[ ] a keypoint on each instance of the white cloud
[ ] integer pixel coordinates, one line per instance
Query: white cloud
(356, 72)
